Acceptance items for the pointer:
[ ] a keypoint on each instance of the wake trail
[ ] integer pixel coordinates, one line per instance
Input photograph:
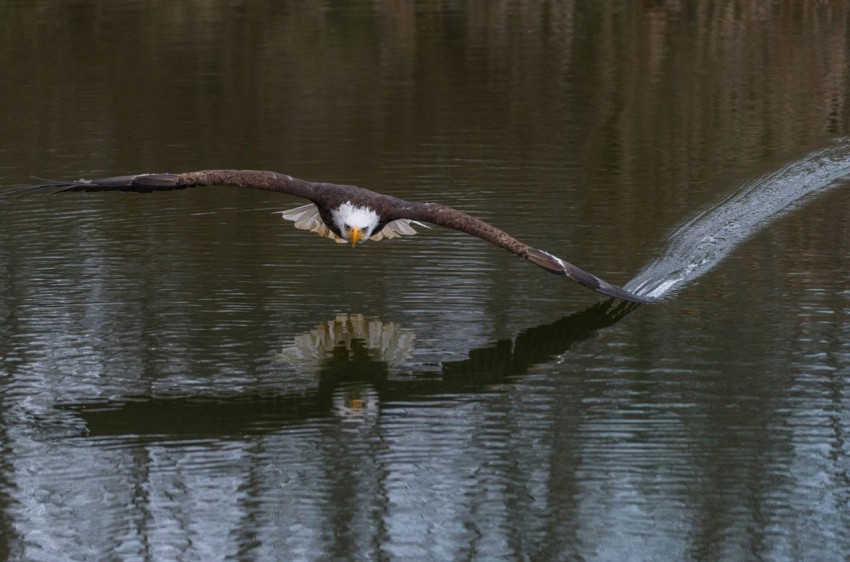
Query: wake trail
(702, 242)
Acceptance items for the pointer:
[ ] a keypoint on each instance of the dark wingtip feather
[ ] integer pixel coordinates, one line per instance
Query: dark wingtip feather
(141, 183)
(556, 265)
(48, 185)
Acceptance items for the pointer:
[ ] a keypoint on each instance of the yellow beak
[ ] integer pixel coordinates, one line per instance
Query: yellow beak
(355, 236)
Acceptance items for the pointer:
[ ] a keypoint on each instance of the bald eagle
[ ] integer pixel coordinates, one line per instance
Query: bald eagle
(346, 213)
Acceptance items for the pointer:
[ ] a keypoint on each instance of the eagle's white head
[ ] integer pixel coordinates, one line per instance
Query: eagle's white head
(355, 223)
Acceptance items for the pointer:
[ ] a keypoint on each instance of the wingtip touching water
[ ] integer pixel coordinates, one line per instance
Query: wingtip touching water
(556, 265)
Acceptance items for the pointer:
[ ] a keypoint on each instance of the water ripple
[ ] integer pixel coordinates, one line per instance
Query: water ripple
(705, 240)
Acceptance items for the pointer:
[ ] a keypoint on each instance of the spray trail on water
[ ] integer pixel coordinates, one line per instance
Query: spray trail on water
(702, 242)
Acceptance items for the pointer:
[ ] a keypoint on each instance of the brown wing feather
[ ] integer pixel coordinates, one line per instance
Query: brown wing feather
(147, 183)
(457, 220)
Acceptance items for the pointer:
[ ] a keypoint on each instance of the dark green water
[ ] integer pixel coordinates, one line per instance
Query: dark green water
(187, 377)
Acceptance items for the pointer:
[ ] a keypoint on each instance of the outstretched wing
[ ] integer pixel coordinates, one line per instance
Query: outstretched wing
(457, 220)
(148, 183)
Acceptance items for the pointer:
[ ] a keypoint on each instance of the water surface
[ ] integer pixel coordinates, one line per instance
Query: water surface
(185, 376)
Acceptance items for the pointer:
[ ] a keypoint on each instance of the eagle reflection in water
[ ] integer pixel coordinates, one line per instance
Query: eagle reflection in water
(350, 338)
(350, 353)
(342, 368)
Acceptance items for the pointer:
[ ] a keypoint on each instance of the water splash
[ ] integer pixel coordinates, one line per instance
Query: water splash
(702, 242)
